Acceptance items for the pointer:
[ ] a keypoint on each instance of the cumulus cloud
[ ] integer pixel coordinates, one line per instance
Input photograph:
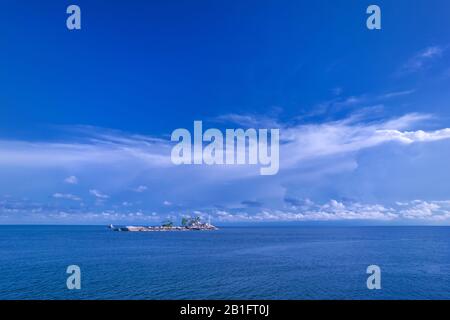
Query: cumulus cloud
(44, 213)
(333, 210)
(427, 210)
(301, 210)
(414, 136)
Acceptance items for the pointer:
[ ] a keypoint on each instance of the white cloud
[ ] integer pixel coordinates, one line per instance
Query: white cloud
(312, 141)
(98, 194)
(428, 211)
(167, 203)
(414, 136)
(422, 59)
(100, 147)
(302, 210)
(140, 189)
(397, 94)
(71, 180)
(300, 142)
(248, 120)
(66, 196)
(431, 52)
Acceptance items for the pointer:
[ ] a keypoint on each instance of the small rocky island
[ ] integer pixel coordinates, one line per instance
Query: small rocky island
(187, 224)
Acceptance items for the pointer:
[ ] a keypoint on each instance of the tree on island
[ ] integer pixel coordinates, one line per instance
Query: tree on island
(187, 222)
(167, 224)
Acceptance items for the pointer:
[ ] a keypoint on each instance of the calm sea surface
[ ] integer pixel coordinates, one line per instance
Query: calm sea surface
(232, 263)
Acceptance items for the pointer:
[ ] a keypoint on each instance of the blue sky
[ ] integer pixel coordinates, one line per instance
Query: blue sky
(86, 116)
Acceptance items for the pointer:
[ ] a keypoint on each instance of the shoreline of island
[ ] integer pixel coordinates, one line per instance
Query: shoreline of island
(187, 224)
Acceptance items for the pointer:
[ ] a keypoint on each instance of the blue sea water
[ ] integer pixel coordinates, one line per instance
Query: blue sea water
(232, 263)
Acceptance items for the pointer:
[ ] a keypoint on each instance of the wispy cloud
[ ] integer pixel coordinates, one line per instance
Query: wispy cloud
(66, 196)
(339, 137)
(71, 180)
(422, 59)
(300, 141)
(395, 94)
(248, 120)
(140, 189)
(343, 106)
(94, 146)
(98, 194)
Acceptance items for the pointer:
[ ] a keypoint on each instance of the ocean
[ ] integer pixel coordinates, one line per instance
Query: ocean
(231, 263)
